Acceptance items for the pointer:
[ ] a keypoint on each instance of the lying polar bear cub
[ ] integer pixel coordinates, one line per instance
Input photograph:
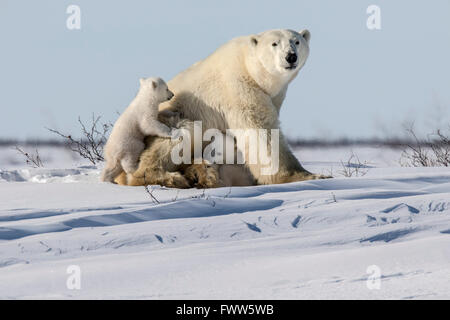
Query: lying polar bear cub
(140, 119)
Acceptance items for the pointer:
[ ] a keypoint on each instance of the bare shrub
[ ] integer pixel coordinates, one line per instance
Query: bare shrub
(441, 149)
(432, 151)
(93, 138)
(353, 167)
(32, 159)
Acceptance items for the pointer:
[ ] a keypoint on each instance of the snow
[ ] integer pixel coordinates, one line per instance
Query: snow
(304, 240)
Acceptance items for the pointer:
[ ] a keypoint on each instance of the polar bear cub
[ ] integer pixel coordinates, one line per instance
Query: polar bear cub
(140, 119)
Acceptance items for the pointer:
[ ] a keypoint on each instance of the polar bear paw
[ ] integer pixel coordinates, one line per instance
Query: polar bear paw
(203, 176)
(303, 176)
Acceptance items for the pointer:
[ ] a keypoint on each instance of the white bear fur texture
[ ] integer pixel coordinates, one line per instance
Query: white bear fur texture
(241, 85)
(140, 119)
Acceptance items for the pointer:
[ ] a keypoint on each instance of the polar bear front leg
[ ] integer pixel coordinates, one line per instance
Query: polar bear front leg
(152, 127)
(288, 168)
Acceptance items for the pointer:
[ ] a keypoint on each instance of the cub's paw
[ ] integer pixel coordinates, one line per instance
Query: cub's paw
(166, 135)
(169, 113)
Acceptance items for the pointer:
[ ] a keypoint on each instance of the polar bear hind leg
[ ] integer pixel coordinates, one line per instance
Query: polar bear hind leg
(111, 170)
(130, 159)
(154, 177)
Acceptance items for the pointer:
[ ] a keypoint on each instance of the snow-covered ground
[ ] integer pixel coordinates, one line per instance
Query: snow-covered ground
(315, 239)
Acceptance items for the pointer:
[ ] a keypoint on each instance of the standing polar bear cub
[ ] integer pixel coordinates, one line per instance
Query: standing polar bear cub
(139, 120)
(241, 85)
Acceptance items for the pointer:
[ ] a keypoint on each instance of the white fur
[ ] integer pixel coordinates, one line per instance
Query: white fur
(139, 120)
(242, 85)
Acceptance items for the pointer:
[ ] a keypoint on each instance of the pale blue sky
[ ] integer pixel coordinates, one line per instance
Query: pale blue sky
(355, 82)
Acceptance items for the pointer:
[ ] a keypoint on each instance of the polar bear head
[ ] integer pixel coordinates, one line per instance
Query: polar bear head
(281, 52)
(156, 88)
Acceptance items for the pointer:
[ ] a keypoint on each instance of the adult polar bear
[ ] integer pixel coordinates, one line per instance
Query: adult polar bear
(240, 86)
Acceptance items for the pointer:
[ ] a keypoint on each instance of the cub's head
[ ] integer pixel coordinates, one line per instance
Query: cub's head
(281, 52)
(157, 87)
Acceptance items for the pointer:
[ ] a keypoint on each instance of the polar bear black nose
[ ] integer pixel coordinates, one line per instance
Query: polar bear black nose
(291, 57)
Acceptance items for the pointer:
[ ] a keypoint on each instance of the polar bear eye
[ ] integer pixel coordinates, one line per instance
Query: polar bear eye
(297, 42)
(274, 44)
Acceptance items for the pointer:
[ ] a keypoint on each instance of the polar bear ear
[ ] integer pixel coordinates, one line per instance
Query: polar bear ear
(254, 40)
(305, 34)
(154, 84)
(141, 80)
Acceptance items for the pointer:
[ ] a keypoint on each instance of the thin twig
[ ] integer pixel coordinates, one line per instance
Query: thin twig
(150, 192)
(33, 160)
